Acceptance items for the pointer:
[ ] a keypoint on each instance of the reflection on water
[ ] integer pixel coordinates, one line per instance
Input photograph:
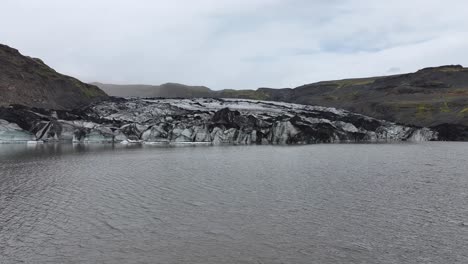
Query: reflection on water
(348, 203)
(9, 151)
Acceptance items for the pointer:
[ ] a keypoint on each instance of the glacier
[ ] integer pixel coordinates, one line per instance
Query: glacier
(200, 120)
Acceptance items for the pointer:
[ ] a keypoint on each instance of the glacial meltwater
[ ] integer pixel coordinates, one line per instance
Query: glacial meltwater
(326, 203)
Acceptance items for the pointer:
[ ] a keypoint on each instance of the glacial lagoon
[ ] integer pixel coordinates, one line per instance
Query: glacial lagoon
(324, 203)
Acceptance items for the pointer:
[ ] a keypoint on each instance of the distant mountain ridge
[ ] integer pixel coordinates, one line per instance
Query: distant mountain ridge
(168, 90)
(30, 82)
(429, 97)
(173, 90)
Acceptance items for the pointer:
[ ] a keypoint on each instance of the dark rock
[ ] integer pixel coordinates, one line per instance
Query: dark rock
(226, 117)
(451, 132)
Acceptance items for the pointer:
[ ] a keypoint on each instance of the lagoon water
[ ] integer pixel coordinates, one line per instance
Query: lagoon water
(331, 203)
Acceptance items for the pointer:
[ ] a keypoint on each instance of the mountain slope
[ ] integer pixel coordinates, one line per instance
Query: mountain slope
(428, 97)
(30, 82)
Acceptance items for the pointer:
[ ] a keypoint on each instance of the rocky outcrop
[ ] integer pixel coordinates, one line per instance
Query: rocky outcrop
(212, 121)
(452, 132)
(30, 82)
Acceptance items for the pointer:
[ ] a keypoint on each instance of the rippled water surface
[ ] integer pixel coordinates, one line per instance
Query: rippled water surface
(366, 203)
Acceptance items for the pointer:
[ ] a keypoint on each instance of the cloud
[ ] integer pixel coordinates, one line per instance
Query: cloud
(236, 44)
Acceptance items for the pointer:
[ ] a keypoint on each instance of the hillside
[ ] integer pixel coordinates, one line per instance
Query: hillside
(428, 97)
(30, 82)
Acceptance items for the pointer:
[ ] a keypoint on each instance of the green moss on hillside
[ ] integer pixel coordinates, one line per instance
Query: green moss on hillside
(445, 108)
(350, 82)
(91, 92)
(424, 111)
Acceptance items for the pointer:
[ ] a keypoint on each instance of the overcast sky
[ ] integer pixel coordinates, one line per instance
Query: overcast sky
(239, 44)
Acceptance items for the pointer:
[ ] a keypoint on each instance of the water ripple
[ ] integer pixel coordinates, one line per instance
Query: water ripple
(395, 203)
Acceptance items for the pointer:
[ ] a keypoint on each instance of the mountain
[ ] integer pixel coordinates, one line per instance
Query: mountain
(168, 90)
(30, 82)
(429, 97)
(174, 90)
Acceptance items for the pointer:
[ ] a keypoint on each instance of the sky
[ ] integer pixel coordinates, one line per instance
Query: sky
(236, 44)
